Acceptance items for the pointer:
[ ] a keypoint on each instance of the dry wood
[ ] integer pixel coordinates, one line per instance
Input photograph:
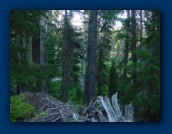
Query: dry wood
(100, 109)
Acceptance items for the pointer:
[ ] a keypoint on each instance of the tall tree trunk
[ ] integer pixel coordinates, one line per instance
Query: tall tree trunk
(126, 45)
(90, 75)
(133, 48)
(36, 57)
(36, 49)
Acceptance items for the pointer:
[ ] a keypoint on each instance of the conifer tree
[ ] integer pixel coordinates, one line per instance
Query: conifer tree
(101, 76)
(23, 24)
(106, 20)
(67, 57)
(133, 47)
(149, 72)
(90, 74)
(113, 80)
(127, 42)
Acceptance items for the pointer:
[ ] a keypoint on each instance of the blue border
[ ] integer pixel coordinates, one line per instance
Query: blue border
(166, 67)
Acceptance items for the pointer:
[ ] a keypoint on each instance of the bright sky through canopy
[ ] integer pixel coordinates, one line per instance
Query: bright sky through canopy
(77, 20)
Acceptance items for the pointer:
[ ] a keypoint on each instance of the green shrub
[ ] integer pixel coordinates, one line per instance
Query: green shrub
(147, 105)
(19, 110)
(76, 93)
(55, 89)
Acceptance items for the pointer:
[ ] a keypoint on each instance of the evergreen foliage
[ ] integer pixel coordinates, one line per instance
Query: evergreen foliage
(19, 110)
(113, 80)
(149, 72)
(77, 57)
(23, 23)
(107, 18)
(101, 75)
(55, 89)
(68, 49)
(76, 93)
(52, 41)
(45, 44)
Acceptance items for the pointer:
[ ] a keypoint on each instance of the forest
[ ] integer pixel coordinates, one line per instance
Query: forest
(84, 65)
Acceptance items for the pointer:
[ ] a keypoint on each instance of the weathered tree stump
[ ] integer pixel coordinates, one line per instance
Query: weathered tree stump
(100, 109)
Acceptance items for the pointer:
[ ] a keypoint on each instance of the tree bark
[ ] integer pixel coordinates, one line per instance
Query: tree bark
(90, 75)
(36, 48)
(38, 51)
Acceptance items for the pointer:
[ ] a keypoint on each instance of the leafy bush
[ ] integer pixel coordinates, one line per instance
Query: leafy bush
(19, 110)
(76, 93)
(55, 89)
(147, 105)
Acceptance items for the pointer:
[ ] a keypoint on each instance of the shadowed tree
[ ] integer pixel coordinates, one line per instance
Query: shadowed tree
(90, 75)
(113, 80)
(67, 57)
(126, 45)
(133, 47)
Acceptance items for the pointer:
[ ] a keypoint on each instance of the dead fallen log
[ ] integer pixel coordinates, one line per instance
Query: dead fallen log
(100, 109)
(49, 109)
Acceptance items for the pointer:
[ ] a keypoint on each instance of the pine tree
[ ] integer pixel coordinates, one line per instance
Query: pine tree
(90, 74)
(101, 76)
(113, 80)
(23, 23)
(52, 41)
(69, 42)
(67, 54)
(106, 20)
(133, 47)
(148, 97)
(127, 42)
